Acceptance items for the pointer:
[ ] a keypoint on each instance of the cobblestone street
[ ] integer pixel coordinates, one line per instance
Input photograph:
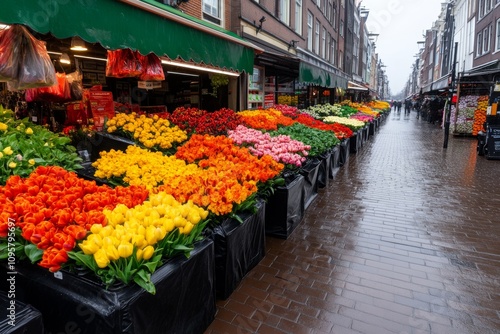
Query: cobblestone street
(404, 239)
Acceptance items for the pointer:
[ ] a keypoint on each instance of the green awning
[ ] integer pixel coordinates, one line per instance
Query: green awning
(118, 24)
(315, 75)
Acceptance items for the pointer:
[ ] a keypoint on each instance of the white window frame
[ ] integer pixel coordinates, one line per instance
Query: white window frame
(316, 36)
(298, 17)
(486, 40)
(310, 20)
(323, 43)
(328, 47)
(497, 46)
(480, 8)
(341, 28)
(333, 55)
(479, 44)
(284, 11)
(212, 8)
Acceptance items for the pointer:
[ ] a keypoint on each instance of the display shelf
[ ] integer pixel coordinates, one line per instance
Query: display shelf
(256, 88)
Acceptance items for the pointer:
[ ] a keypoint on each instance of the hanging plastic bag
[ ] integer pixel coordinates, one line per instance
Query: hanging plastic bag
(152, 68)
(123, 63)
(9, 49)
(60, 92)
(37, 69)
(75, 80)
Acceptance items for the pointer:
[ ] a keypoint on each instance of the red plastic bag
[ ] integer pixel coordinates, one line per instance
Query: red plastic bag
(152, 69)
(124, 63)
(9, 48)
(60, 92)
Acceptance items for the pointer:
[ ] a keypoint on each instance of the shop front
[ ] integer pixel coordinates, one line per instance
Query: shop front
(202, 63)
(319, 82)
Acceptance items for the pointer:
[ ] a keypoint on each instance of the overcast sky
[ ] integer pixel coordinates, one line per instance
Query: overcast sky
(400, 24)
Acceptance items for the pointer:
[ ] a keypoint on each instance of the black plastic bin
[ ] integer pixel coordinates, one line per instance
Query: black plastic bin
(284, 209)
(17, 317)
(238, 248)
(184, 301)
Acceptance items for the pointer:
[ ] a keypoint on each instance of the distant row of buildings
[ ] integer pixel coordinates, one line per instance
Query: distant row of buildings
(469, 28)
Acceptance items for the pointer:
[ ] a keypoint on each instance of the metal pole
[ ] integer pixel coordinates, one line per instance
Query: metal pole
(450, 96)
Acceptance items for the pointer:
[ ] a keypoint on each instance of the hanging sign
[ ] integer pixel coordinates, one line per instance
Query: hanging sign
(149, 84)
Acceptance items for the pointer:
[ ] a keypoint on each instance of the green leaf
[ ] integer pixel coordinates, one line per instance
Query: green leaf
(143, 279)
(33, 253)
(85, 260)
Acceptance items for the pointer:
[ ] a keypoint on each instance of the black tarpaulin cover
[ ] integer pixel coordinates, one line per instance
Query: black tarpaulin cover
(344, 151)
(355, 141)
(310, 172)
(238, 248)
(324, 169)
(371, 127)
(284, 209)
(17, 317)
(103, 141)
(184, 301)
(335, 161)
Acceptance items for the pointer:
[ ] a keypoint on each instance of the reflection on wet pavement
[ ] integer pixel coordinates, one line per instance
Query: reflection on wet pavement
(405, 239)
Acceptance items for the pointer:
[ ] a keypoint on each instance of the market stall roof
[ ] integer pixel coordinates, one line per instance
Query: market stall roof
(315, 70)
(143, 25)
(484, 70)
(354, 86)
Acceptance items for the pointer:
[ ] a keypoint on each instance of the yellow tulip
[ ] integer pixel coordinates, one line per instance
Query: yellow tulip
(125, 250)
(29, 131)
(12, 165)
(3, 126)
(187, 228)
(89, 247)
(101, 258)
(8, 150)
(31, 162)
(147, 252)
(96, 228)
(112, 252)
(150, 235)
(138, 255)
(1, 155)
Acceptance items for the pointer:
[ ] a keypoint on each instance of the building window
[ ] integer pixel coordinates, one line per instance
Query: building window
(316, 37)
(284, 13)
(497, 46)
(334, 16)
(318, 2)
(486, 40)
(479, 45)
(341, 28)
(327, 54)
(323, 42)
(211, 11)
(298, 17)
(334, 52)
(341, 60)
(309, 31)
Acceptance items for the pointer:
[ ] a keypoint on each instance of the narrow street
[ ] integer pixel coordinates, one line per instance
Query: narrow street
(405, 239)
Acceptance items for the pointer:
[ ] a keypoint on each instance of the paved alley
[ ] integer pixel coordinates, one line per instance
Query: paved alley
(405, 239)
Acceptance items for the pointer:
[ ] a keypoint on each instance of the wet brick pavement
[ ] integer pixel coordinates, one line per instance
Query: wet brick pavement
(405, 239)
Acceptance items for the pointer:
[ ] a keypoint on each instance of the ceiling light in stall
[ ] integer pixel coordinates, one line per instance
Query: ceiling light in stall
(77, 44)
(64, 59)
(199, 68)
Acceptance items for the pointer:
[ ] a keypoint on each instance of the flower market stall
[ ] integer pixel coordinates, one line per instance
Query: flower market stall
(178, 217)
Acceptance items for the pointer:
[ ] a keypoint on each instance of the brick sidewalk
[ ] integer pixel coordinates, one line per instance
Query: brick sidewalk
(405, 239)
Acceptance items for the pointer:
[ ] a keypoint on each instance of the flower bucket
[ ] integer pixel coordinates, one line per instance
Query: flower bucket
(345, 146)
(238, 248)
(324, 169)
(355, 143)
(310, 171)
(184, 300)
(335, 161)
(284, 209)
